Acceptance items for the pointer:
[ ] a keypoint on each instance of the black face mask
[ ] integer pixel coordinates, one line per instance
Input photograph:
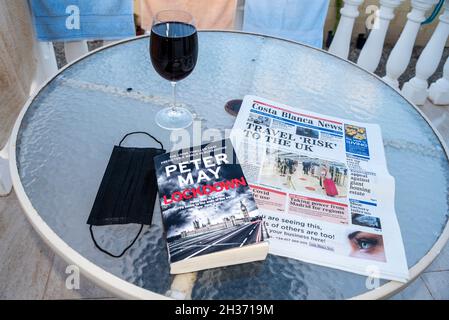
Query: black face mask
(128, 190)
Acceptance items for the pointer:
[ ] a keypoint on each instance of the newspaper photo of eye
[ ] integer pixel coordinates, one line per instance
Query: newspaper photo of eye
(366, 245)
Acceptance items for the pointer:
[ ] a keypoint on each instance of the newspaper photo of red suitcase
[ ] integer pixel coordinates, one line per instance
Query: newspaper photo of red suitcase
(331, 189)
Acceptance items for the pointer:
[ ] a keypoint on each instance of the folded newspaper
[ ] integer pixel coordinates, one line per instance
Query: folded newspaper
(323, 186)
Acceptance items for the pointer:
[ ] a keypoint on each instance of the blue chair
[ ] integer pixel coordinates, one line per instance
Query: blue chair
(298, 20)
(72, 20)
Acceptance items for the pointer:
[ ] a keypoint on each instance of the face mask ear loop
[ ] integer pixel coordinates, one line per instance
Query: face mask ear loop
(141, 132)
(107, 252)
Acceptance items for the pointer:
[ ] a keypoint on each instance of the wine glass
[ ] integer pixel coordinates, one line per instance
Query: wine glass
(174, 52)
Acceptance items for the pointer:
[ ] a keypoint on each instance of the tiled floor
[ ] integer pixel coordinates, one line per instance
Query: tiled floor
(28, 267)
(30, 270)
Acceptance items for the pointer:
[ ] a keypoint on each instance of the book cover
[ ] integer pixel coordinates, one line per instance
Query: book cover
(207, 207)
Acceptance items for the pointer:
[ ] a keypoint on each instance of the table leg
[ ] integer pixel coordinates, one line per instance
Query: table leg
(182, 285)
(5, 176)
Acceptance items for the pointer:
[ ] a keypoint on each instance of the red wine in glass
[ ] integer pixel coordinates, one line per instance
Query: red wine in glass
(173, 52)
(174, 49)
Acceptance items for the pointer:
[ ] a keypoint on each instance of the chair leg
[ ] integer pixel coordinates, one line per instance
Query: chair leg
(5, 176)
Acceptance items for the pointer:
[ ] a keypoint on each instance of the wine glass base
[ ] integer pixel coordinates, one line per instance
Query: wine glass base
(172, 119)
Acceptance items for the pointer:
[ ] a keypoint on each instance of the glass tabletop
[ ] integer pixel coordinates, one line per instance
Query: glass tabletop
(68, 132)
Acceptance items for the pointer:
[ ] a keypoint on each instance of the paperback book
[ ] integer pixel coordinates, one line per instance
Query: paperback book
(209, 213)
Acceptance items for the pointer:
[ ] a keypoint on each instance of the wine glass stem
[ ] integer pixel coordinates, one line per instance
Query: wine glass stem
(173, 84)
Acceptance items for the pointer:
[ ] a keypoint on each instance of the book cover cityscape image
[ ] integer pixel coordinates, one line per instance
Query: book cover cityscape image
(206, 203)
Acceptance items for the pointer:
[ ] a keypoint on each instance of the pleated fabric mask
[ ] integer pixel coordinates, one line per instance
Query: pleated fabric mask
(127, 192)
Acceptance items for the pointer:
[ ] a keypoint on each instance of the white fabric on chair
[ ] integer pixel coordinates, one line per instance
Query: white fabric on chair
(298, 20)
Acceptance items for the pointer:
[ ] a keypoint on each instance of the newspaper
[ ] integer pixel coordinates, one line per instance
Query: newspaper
(323, 186)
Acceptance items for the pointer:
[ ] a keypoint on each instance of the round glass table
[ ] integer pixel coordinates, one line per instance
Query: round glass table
(64, 136)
